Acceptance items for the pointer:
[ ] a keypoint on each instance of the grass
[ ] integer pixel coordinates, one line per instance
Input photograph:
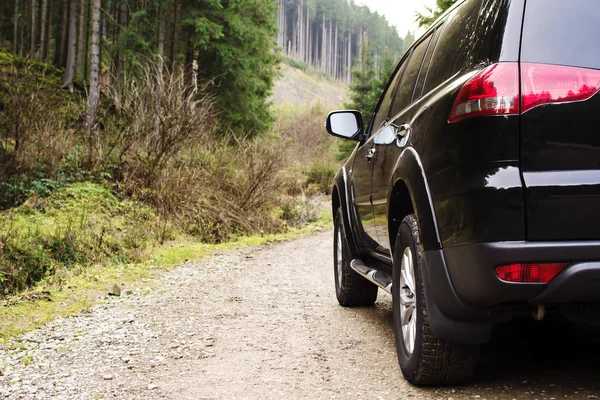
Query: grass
(76, 226)
(83, 287)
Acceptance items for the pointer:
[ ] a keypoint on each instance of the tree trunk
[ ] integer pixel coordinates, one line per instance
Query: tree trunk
(33, 24)
(159, 70)
(349, 65)
(81, 38)
(87, 41)
(323, 46)
(176, 30)
(47, 26)
(188, 66)
(71, 46)
(44, 16)
(64, 41)
(335, 52)
(16, 28)
(123, 22)
(58, 27)
(94, 70)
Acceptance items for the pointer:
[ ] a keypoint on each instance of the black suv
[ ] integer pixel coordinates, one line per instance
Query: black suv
(473, 195)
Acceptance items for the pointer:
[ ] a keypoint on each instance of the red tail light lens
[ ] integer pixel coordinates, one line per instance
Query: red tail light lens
(493, 91)
(530, 273)
(543, 84)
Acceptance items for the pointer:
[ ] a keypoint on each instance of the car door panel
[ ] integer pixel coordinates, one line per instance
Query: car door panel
(361, 194)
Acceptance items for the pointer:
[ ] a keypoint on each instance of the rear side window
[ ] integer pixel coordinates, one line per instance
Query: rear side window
(386, 101)
(420, 83)
(472, 35)
(562, 33)
(405, 91)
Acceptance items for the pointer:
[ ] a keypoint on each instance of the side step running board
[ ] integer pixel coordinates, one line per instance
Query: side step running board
(377, 277)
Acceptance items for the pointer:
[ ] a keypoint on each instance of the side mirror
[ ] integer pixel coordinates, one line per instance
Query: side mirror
(345, 124)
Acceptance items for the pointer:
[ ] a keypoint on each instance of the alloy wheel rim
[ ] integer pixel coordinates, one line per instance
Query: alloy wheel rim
(339, 258)
(408, 303)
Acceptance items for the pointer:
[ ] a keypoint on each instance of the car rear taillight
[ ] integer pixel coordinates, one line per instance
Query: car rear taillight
(495, 89)
(530, 273)
(543, 84)
(492, 91)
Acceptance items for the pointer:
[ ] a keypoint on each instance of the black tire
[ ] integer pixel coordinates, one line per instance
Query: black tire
(351, 289)
(433, 361)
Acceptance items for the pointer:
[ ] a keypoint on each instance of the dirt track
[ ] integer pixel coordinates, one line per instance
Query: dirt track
(263, 323)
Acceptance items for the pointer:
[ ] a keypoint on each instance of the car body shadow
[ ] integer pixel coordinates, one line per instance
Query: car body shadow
(559, 356)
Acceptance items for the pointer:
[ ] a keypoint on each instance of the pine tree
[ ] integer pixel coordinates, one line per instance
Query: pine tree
(362, 93)
(241, 62)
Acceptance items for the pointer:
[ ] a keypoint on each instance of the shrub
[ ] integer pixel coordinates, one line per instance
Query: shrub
(320, 176)
(80, 224)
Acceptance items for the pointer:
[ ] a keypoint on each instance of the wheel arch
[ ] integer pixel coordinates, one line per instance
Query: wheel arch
(340, 200)
(410, 194)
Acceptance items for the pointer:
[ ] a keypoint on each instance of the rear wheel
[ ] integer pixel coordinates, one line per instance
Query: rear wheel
(424, 358)
(350, 288)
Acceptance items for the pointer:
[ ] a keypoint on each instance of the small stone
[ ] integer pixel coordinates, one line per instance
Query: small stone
(107, 377)
(115, 290)
(127, 292)
(152, 386)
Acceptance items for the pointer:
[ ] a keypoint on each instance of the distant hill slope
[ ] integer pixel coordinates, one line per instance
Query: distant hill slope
(296, 86)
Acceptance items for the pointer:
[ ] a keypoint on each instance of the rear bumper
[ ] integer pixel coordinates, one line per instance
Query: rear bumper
(471, 269)
(463, 289)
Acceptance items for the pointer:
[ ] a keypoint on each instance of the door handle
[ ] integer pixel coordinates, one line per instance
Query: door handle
(403, 130)
(370, 154)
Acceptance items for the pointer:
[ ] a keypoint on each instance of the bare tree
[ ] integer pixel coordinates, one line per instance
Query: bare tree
(68, 77)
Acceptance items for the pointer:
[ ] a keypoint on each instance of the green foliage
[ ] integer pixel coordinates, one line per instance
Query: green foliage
(16, 190)
(299, 211)
(76, 225)
(442, 6)
(296, 64)
(363, 89)
(35, 120)
(241, 65)
(368, 83)
(320, 176)
(351, 17)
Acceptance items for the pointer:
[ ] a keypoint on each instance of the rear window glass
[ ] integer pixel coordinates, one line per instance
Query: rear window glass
(405, 91)
(562, 32)
(471, 35)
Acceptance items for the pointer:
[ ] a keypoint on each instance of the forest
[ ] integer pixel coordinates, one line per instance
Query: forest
(329, 35)
(129, 125)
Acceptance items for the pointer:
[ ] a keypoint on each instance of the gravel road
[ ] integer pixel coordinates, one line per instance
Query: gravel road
(263, 323)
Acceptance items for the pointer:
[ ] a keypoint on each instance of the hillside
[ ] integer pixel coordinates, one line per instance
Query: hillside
(304, 86)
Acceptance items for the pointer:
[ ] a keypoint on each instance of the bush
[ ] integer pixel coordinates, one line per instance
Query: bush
(37, 121)
(298, 211)
(151, 169)
(296, 64)
(77, 225)
(320, 176)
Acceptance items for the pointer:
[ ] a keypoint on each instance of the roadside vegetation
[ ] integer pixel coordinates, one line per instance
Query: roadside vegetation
(136, 133)
(72, 201)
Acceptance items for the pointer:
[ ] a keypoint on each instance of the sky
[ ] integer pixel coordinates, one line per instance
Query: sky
(400, 13)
